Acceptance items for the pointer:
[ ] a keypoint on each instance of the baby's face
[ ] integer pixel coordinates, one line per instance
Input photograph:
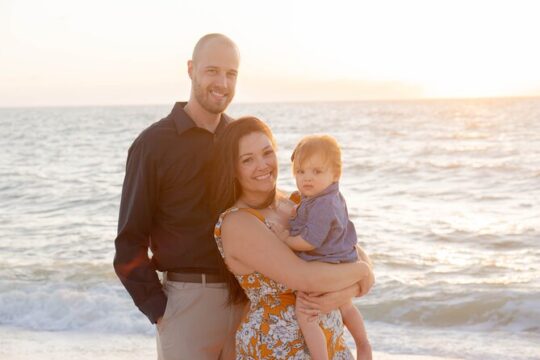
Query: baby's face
(314, 175)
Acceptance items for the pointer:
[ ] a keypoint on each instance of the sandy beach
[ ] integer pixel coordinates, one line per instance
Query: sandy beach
(17, 344)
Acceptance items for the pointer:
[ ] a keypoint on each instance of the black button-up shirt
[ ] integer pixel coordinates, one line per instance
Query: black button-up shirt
(164, 207)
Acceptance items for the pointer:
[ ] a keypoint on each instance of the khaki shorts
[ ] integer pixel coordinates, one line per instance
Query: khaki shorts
(197, 323)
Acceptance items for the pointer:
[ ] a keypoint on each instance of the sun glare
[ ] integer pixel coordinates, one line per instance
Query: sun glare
(349, 51)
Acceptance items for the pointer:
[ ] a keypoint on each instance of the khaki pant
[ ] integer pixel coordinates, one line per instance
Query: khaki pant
(197, 323)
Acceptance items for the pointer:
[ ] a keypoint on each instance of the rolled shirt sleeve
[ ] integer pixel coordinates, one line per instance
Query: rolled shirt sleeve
(316, 223)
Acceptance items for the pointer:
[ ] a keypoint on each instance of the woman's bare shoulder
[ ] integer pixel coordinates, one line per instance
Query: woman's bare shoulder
(239, 220)
(234, 215)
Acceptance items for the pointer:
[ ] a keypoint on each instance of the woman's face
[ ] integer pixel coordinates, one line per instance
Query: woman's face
(257, 163)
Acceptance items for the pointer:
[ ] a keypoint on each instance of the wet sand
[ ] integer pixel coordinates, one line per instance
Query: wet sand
(18, 344)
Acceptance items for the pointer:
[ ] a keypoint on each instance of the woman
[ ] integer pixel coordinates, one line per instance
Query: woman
(264, 268)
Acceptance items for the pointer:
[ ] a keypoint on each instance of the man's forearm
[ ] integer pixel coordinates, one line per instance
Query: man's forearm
(133, 267)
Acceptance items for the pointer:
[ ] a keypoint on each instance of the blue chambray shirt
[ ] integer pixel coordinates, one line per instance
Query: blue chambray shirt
(323, 221)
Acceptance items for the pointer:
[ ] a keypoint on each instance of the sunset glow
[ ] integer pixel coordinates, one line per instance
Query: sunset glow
(70, 52)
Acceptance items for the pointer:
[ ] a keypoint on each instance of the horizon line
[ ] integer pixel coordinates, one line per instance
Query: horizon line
(434, 98)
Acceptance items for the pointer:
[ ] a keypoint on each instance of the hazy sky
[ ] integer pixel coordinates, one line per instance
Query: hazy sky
(69, 52)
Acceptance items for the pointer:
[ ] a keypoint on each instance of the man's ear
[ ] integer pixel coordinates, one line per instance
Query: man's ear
(190, 68)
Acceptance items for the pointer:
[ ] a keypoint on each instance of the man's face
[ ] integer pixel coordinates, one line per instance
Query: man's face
(213, 76)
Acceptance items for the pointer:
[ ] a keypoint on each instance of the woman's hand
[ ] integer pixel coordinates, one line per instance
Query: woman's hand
(367, 282)
(306, 306)
(313, 304)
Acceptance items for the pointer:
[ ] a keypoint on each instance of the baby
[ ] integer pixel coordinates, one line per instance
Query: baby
(322, 231)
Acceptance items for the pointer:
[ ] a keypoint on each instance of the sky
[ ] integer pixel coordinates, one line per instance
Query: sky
(118, 52)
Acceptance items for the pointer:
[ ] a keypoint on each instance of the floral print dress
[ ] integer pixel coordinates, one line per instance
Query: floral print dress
(270, 329)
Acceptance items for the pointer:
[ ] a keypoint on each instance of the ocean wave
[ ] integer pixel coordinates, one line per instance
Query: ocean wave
(424, 168)
(506, 311)
(465, 228)
(71, 306)
(107, 308)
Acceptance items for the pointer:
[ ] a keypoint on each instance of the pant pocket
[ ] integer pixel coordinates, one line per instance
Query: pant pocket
(168, 311)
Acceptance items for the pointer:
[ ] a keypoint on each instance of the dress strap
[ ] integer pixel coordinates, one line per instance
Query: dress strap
(255, 213)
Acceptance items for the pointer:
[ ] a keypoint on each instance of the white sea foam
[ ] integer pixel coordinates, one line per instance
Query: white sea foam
(52, 306)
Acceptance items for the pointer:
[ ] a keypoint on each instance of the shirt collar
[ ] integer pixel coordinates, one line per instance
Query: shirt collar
(183, 122)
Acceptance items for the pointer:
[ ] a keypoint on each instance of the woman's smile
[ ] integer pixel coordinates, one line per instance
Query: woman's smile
(257, 163)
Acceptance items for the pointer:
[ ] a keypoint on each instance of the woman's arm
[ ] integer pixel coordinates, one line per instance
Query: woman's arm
(367, 282)
(317, 303)
(250, 246)
(363, 256)
(323, 303)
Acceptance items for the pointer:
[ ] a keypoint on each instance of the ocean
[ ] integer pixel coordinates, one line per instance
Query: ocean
(445, 196)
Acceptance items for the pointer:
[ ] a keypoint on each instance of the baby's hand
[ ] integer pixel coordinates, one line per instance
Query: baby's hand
(286, 208)
(293, 211)
(279, 230)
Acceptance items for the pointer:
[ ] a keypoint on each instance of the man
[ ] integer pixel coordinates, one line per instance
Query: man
(164, 208)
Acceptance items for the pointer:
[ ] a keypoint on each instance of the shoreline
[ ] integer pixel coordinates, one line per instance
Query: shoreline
(22, 344)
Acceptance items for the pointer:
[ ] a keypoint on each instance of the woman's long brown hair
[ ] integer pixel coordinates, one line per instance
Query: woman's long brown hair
(224, 188)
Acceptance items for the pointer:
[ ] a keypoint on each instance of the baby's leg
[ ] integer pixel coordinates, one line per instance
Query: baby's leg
(313, 334)
(355, 323)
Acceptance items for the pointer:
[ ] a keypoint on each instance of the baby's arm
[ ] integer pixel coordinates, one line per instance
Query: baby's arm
(296, 243)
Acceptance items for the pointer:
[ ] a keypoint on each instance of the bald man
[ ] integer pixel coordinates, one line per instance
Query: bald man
(164, 208)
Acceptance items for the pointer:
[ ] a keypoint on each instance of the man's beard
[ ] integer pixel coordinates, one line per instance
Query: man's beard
(202, 96)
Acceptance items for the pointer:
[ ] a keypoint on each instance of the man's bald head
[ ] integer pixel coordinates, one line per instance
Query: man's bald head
(213, 71)
(212, 40)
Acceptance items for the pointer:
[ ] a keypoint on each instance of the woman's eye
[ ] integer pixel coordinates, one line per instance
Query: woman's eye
(246, 161)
